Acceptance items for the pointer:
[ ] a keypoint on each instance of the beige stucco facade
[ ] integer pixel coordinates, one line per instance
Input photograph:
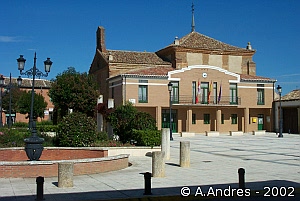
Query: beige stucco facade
(195, 65)
(246, 109)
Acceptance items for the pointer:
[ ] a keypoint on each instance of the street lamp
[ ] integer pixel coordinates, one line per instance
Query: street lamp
(9, 88)
(170, 86)
(279, 89)
(34, 144)
(1, 86)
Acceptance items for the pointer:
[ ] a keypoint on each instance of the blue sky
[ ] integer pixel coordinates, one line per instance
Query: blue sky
(64, 30)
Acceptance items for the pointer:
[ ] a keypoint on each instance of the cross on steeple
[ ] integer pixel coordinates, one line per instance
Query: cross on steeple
(193, 20)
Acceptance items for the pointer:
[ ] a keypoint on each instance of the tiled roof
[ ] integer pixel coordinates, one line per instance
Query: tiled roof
(255, 78)
(27, 82)
(132, 57)
(160, 71)
(293, 95)
(199, 41)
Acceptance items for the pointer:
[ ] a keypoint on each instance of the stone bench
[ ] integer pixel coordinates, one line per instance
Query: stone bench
(260, 132)
(186, 134)
(212, 133)
(236, 133)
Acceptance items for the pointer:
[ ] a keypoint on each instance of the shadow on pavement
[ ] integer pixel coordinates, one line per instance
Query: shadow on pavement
(262, 190)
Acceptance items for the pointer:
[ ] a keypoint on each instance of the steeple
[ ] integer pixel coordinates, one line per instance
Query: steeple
(193, 20)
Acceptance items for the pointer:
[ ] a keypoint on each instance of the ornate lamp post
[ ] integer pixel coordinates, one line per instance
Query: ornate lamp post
(170, 86)
(279, 89)
(9, 87)
(34, 144)
(1, 86)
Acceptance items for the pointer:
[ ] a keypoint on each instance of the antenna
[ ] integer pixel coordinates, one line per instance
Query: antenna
(193, 20)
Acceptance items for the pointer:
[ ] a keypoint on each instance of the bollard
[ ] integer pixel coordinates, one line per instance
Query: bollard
(165, 142)
(185, 154)
(40, 188)
(158, 164)
(147, 178)
(65, 174)
(241, 172)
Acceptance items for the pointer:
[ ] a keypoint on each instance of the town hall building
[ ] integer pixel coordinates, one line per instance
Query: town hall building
(214, 84)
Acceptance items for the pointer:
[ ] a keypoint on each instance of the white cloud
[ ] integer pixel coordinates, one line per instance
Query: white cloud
(9, 39)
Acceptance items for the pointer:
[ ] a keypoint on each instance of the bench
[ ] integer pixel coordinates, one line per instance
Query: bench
(236, 133)
(186, 134)
(212, 133)
(260, 132)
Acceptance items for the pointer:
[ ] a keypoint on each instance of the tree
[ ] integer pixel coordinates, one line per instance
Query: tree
(74, 90)
(15, 95)
(24, 104)
(126, 118)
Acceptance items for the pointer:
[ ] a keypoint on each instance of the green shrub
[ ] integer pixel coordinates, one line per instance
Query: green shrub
(126, 117)
(143, 121)
(76, 130)
(13, 137)
(47, 128)
(147, 137)
(20, 125)
(39, 123)
(102, 136)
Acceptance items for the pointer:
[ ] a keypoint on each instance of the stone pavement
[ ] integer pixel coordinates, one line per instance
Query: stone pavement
(269, 162)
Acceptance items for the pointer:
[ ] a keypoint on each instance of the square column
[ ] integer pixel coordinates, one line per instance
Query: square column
(158, 117)
(246, 120)
(219, 118)
(188, 119)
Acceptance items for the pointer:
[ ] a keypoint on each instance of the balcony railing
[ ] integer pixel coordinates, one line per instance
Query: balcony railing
(189, 100)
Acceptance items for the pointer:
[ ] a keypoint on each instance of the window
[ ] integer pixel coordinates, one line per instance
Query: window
(222, 118)
(112, 90)
(260, 94)
(233, 93)
(233, 118)
(206, 119)
(193, 118)
(204, 92)
(143, 91)
(215, 93)
(194, 92)
(175, 92)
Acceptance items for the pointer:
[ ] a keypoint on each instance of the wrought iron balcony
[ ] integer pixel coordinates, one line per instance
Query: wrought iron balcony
(204, 100)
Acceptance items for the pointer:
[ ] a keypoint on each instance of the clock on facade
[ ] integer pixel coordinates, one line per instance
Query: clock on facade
(204, 75)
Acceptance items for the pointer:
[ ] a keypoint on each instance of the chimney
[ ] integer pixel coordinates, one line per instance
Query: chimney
(176, 41)
(101, 39)
(249, 46)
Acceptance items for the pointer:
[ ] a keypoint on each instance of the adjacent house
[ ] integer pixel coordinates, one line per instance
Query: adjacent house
(290, 104)
(41, 87)
(214, 84)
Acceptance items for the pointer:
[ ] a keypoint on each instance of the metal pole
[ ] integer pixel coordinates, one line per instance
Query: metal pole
(1, 123)
(171, 137)
(31, 126)
(9, 116)
(280, 117)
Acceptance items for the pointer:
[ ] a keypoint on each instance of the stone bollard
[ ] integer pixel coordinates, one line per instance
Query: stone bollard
(185, 154)
(241, 172)
(165, 142)
(158, 164)
(40, 188)
(147, 178)
(65, 174)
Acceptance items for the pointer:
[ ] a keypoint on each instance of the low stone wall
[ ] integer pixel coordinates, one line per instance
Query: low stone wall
(94, 160)
(259, 132)
(132, 151)
(54, 153)
(236, 133)
(212, 133)
(186, 134)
